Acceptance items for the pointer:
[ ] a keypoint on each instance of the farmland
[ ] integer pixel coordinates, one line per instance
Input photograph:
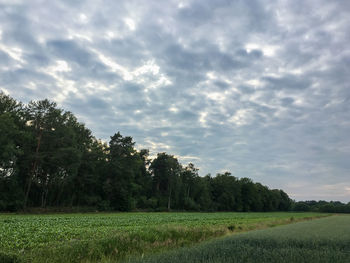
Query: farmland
(114, 236)
(322, 240)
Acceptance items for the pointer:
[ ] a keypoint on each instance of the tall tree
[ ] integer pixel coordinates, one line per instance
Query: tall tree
(56, 150)
(165, 169)
(91, 173)
(10, 131)
(226, 192)
(188, 180)
(12, 139)
(124, 165)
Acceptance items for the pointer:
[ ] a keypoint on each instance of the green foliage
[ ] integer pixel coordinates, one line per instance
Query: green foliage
(321, 206)
(76, 237)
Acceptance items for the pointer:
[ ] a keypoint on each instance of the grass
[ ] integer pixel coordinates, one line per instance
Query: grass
(115, 236)
(322, 240)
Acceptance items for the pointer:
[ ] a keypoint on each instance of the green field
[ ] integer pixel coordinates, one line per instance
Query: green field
(321, 240)
(103, 237)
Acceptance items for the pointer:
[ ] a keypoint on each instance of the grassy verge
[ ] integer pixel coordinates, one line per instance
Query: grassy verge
(114, 237)
(323, 240)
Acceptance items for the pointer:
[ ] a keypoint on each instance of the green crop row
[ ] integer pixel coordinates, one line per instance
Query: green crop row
(323, 240)
(92, 237)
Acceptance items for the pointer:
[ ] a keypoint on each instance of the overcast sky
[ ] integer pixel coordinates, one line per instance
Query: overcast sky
(258, 88)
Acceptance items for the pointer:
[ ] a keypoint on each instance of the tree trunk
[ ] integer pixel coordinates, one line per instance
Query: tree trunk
(58, 197)
(31, 176)
(169, 199)
(44, 196)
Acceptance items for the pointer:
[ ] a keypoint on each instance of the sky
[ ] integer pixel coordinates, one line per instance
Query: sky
(257, 88)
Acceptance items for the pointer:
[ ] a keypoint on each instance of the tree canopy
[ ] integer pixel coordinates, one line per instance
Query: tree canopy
(49, 159)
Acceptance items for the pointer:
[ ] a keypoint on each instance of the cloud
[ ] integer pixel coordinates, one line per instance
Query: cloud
(257, 88)
(287, 82)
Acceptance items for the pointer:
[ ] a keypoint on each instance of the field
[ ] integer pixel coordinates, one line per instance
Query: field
(115, 236)
(322, 240)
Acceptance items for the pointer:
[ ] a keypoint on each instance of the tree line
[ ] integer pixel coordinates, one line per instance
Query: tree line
(321, 206)
(49, 159)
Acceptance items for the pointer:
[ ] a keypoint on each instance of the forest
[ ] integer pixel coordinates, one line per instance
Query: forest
(50, 159)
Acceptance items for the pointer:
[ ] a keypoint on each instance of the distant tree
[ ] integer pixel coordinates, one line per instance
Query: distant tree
(250, 196)
(125, 165)
(285, 203)
(54, 152)
(143, 182)
(90, 175)
(226, 192)
(187, 188)
(12, 139)
(301, 206)
(10, 130)
(165, 169)
(203, 193)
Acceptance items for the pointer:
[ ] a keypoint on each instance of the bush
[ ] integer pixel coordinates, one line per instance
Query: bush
(103, 206)
(8, 258)
(191, 205)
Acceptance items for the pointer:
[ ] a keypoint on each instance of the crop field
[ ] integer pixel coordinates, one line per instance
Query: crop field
(321, 240)
(114, 236)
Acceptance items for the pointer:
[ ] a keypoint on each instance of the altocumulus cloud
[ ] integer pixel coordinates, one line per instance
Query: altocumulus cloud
(259, 88)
